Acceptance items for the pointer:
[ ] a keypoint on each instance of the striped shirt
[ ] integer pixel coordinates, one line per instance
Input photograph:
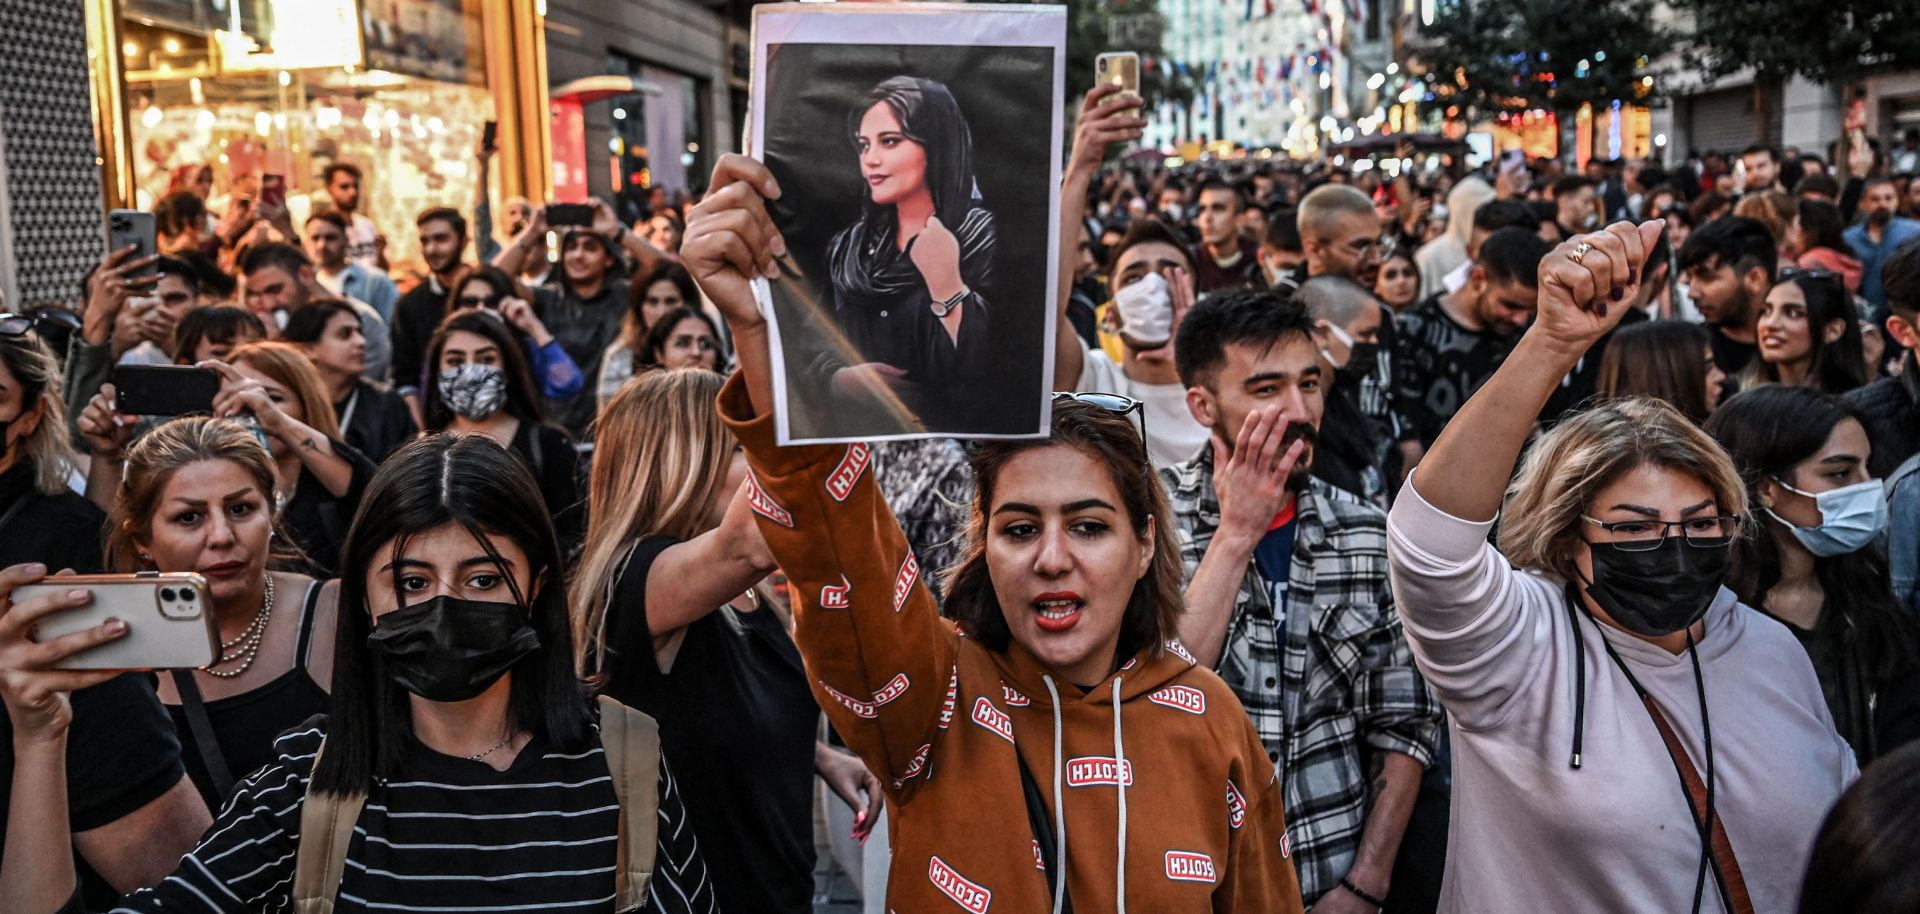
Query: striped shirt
(445, 835)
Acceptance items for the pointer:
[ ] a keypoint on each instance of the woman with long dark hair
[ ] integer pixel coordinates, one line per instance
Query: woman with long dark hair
(1053, 744)
(686, 338)
(461, 754)
(1811, 561)
(481, 386)
(1670, 361)
(488, 288)
(665, 290)
(1809, 334)
(912, 279)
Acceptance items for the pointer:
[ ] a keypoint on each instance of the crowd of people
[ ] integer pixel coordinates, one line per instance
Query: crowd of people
(1413, 543)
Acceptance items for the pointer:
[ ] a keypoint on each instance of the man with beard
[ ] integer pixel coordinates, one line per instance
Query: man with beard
(1878, 235)
(1288, 598)
(280, 280)
(1729, 265)
(1451, 343)
(443, 236)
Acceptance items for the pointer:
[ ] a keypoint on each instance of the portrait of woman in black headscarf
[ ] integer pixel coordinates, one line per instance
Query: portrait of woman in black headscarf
(911, 278)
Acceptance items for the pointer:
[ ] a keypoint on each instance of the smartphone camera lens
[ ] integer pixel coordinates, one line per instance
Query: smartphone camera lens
(186, 595)
(167, 595)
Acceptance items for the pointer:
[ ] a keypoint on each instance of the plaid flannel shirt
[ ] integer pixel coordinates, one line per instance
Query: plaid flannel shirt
(1337, 681)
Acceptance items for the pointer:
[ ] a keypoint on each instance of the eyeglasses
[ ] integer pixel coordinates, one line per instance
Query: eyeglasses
(1648, 535)
(18, 325)
(478, 301)
(1113, 403)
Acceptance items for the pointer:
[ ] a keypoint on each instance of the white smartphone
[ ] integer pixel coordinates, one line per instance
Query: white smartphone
(169, 618)
(1119, 68)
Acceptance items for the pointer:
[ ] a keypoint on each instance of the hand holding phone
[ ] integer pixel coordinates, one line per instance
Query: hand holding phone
(132, 227)
(168, 620)
(1119, 68)
(570, 214)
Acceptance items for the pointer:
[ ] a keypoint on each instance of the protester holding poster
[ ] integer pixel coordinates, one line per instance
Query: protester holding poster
(1082, 757)
(913, 297)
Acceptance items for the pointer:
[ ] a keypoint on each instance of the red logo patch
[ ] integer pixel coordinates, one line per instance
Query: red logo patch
(764, 505)
(953, 693)
(1039, 860)
(992, 718)
(964, 892)
(858, 707)
(1286, 845)
(1187, 866)
(919, 760)
(1185, 698)
(840, 484)
(1180, 650)
(903, 582)
(835, 596)
(1236, 806)
(894, 688)
(1098, 771)
(1014, 698)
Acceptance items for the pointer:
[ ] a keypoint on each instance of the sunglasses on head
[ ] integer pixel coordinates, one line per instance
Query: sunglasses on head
(1113, 403)
(1816, 274)
(18, 325)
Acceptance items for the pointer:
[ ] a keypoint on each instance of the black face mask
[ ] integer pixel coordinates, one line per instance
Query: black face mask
(1659, 592)
(449, 649)
(1363, 359)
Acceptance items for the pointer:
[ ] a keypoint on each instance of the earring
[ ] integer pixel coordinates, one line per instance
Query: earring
(144, 557)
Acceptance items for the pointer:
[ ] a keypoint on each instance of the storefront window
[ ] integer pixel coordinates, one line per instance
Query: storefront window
(656, 137)
(410, 116)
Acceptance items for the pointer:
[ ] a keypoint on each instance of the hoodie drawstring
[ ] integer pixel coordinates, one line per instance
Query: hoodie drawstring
(1120, 783)
(1059, 798)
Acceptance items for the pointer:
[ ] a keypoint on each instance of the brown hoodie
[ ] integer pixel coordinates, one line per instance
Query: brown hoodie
(1191, 821)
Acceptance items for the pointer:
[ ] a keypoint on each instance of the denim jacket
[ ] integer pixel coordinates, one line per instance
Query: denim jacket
(1903, 533)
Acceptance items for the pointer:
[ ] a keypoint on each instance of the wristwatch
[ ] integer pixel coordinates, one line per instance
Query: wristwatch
(944, 308)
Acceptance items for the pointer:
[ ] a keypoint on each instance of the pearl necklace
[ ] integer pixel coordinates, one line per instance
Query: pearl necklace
(248, 642)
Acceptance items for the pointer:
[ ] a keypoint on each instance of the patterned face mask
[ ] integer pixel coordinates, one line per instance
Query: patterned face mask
(474, 391)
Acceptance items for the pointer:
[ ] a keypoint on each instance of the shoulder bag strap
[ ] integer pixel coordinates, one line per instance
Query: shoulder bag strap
(326, 829)
(632, 742)
(1721, 848)
(303, 645)
(200, 727)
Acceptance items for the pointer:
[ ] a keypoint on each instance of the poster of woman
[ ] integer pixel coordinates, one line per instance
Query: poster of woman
(918, 148)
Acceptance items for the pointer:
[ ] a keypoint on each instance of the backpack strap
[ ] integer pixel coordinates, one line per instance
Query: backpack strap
(326, 828)
(632, 743)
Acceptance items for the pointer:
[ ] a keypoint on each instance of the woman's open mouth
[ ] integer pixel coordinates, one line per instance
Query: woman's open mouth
(1057, 612)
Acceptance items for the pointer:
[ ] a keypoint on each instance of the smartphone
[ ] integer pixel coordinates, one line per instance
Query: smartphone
(131, 226)
(170, 624)
(1513, 161)
(164, 390)
(489, 132)
(1119, 68)
(569, 214)
(273, 190)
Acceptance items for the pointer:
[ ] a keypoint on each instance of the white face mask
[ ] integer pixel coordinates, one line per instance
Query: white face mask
(1146, 312)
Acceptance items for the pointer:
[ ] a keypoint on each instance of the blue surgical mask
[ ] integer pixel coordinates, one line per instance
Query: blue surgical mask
(1850, 518)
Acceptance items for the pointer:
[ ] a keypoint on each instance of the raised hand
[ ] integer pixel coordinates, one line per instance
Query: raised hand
(108, 291)
(936, 254)
(240, 395)
(105, 430)
(731, 239)
(1588, 281)
(1107, 116)
(520, 316)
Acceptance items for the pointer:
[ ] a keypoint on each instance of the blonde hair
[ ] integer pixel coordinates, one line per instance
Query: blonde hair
(33, 366)
(660, 457)
(152, 460)
(1569, 465)
(289, 367)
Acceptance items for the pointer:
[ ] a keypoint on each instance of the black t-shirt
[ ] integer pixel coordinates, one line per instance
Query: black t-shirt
(59, 531)
(550, 453)
(1730, 354)
(584, 328)
(121, 755)
(1437, 365)
(736, 701)
(1346, 455)
(375, 420)
(415, 316)
(316, 521)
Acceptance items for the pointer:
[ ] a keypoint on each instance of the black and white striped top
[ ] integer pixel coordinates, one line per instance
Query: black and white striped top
(446, 835)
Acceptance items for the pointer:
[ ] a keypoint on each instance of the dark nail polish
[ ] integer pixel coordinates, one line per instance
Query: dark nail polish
(1632, 276)
(1617, 294)
(1600, 308)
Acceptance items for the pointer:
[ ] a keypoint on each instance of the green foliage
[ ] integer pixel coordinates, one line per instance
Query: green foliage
(1488, 56)
(1823, 40)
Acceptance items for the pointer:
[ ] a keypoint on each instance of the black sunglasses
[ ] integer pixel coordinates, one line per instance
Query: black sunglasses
(1113, 403)
(1816, 274)
(18, 325)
